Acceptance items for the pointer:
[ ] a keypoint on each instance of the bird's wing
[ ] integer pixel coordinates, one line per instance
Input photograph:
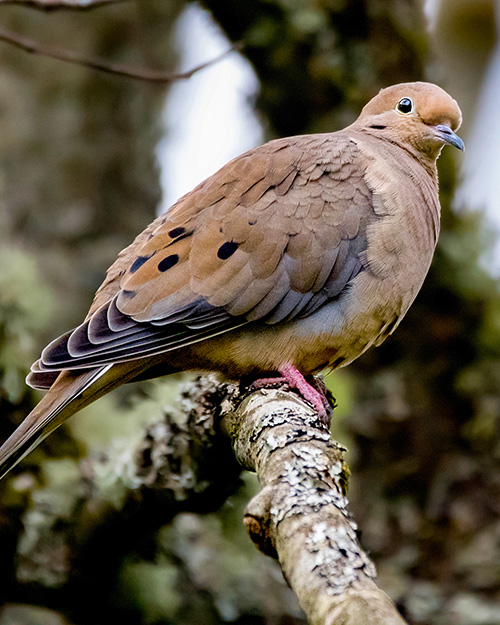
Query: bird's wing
(272, 236)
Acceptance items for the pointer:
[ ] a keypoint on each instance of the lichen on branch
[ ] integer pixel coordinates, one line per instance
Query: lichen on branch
(300, 516)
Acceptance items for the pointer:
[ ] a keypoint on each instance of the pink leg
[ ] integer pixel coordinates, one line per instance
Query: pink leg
(295, 379)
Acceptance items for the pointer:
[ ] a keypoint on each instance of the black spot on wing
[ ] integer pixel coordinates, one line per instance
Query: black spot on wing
(227, 249)
(176, 232)
(138, 263)
(168, 262)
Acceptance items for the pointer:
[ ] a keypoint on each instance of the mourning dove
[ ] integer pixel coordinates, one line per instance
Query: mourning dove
(294, 257)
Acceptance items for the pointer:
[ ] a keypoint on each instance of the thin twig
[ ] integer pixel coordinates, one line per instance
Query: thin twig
(69, 56)
(56, 5)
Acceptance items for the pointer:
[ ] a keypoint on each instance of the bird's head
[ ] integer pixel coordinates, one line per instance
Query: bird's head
(417, 115)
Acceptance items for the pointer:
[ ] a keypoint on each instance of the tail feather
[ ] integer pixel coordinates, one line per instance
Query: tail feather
(71, 392)
(42, 380)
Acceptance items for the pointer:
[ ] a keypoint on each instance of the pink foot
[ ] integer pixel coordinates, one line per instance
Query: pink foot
(295, 379)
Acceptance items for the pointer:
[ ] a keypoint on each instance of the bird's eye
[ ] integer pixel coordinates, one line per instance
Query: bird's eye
(405, 105)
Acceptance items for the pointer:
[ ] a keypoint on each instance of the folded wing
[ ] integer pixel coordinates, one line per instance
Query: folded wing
(269, 238)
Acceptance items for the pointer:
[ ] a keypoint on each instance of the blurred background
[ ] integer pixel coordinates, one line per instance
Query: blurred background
(86, 161)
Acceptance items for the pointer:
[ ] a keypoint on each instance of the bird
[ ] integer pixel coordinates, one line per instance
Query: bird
(295, 257)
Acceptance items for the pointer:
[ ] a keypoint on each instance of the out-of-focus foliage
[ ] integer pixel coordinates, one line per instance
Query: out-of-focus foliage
(222, 575)
(421, 415)
(79, 173)
(25, 307)
(319, 62)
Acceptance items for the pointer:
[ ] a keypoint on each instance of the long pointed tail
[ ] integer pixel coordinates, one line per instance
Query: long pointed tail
(70, 393)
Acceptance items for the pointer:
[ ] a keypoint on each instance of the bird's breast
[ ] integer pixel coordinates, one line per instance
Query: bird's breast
(402, 236)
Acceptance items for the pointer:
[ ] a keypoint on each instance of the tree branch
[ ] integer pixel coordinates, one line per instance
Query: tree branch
(69, 56)
(56, 5)
(300, 516)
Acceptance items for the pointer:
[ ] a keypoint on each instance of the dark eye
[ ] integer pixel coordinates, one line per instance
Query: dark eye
(405, 105)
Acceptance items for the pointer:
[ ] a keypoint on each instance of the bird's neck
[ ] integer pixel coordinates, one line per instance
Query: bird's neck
(426, 159)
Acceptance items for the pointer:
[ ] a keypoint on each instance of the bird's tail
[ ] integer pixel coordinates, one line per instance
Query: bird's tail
(71, 392)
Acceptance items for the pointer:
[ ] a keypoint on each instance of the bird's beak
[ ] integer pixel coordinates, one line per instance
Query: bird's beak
(448, 136)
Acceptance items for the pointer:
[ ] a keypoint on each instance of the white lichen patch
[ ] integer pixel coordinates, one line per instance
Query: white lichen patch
(335, 469)
(337, 556)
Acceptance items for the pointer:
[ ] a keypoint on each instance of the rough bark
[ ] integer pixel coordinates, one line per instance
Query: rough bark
(301, 514)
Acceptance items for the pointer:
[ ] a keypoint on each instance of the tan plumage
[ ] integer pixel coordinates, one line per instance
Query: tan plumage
(304, 252)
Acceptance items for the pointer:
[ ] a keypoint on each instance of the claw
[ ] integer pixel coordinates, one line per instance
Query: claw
(292, 376)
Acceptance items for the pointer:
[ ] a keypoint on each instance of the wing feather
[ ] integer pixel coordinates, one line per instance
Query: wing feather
(271, 237)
